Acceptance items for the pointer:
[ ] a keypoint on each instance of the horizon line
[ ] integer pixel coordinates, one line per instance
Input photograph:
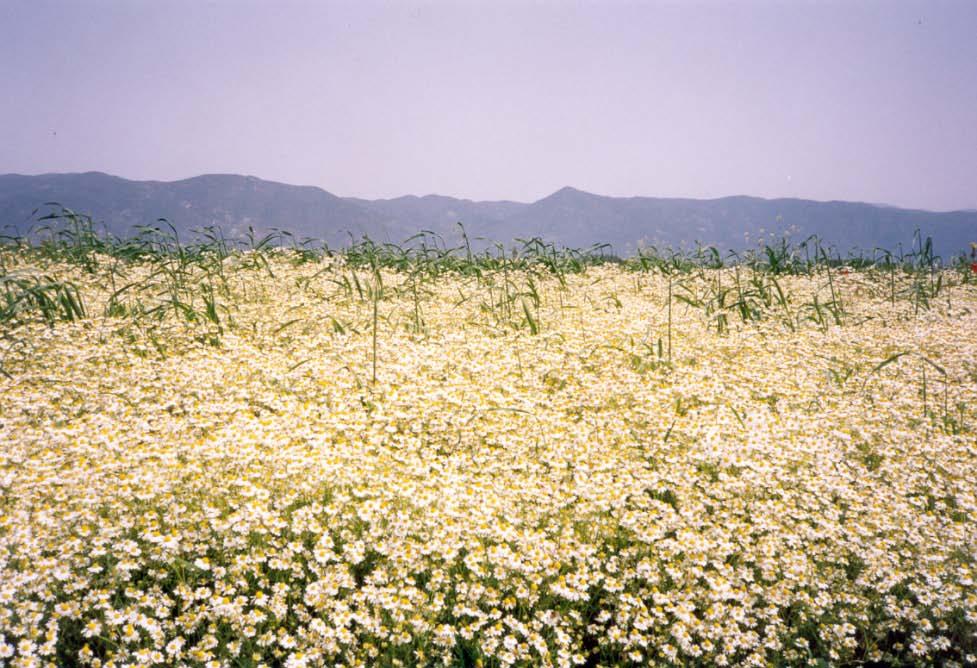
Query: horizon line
(512, 201)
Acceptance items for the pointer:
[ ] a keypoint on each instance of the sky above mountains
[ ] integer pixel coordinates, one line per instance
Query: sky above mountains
(867, 101)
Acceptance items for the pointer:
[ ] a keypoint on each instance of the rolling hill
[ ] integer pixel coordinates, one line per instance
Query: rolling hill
(567, 217)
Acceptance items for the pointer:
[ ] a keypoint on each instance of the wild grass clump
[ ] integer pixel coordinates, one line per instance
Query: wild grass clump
(27, 296)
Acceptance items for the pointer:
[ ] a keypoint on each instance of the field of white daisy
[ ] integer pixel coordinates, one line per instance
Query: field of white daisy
(284, 458)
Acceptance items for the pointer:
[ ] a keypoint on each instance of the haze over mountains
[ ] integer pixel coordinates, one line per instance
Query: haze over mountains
(568, 217)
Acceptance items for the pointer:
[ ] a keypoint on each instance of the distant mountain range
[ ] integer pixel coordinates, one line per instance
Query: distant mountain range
(568, 217)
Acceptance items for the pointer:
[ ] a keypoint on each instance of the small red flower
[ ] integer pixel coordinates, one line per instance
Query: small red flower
(844, 270)
(973, 267)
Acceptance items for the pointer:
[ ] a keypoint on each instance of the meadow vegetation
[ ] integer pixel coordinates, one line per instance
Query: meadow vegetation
(271, 453)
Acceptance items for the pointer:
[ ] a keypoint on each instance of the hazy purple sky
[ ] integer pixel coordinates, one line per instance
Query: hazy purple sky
(494, 100)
